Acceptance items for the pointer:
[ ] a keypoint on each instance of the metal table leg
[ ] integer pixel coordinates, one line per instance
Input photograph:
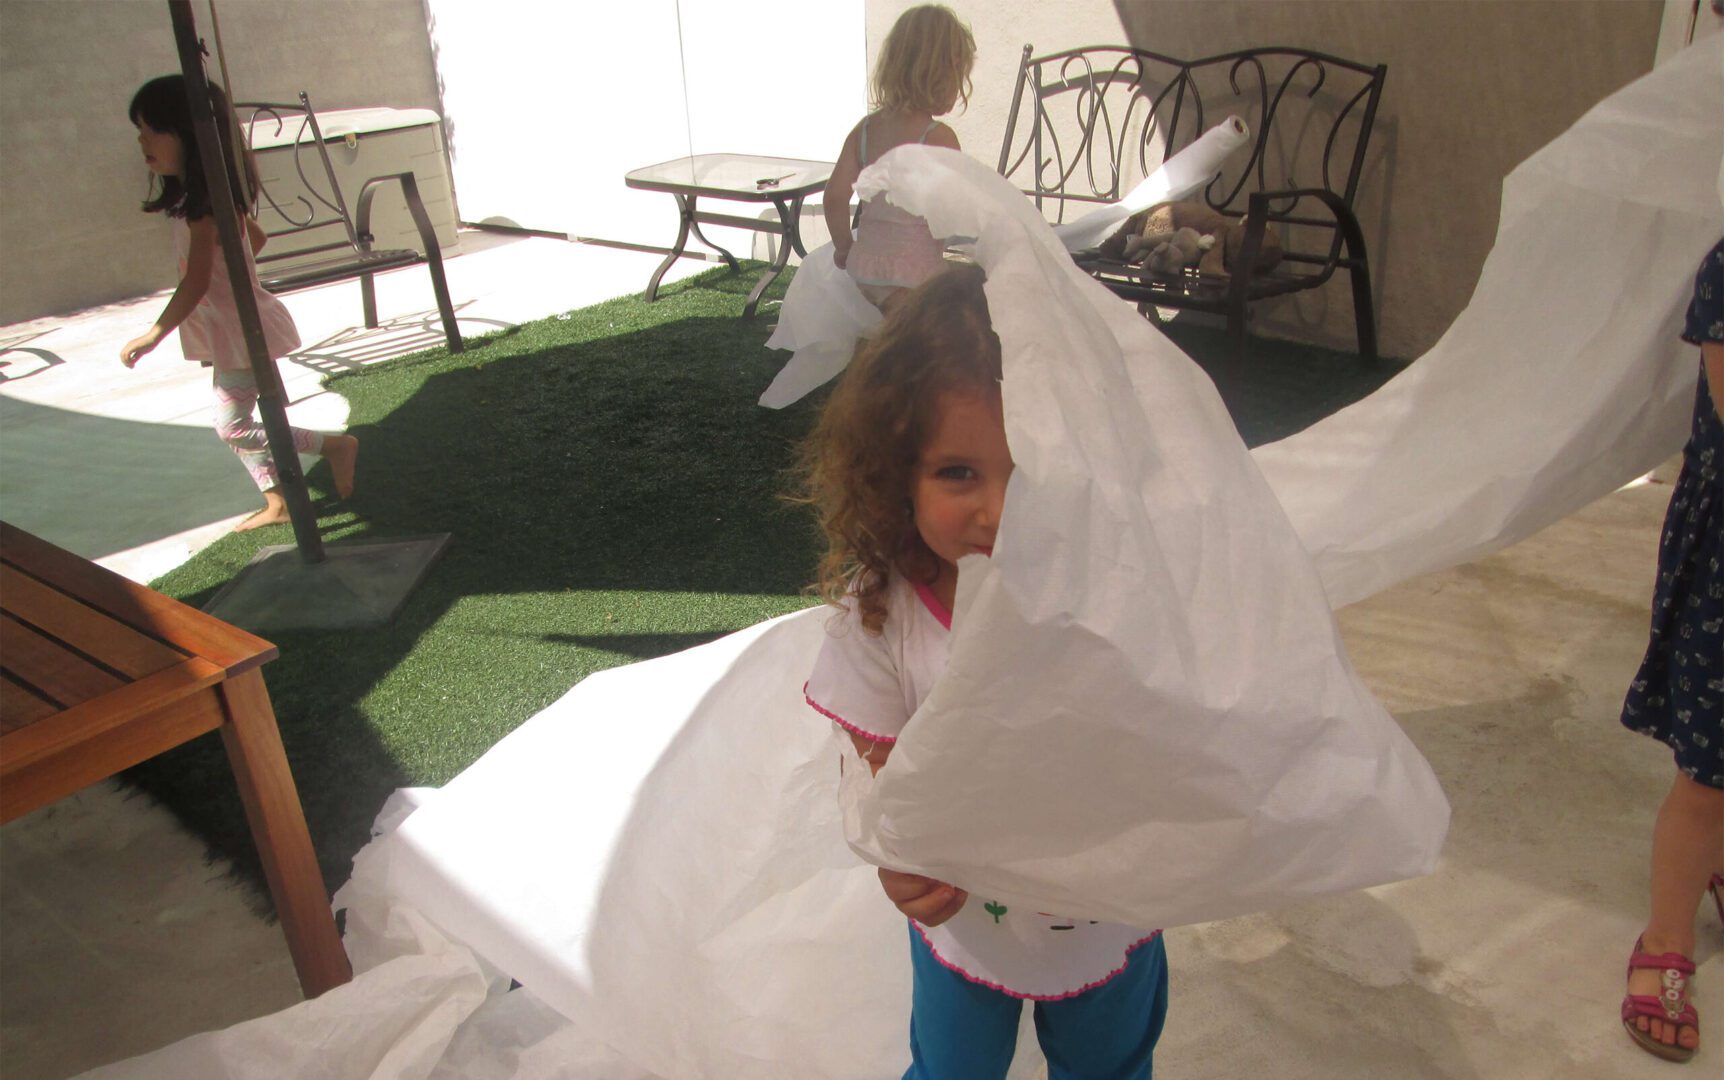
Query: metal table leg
(789, 221)
(694, 223)
(685, 211)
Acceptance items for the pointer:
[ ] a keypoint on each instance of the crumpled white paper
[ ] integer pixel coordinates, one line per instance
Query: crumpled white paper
(820, 321)
(1147, 716)
(824, 313)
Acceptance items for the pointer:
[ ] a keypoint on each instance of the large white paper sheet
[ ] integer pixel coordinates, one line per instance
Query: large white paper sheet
(1564, 377)
(658, 855)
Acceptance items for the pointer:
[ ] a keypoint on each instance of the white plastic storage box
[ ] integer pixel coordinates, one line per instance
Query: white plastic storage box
(362, 143)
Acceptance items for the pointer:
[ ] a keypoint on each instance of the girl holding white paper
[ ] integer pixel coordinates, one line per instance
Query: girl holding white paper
(908, 469)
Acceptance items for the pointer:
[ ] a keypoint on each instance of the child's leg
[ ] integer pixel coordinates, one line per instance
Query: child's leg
(881, 296)
(237, 425)
(959, 1030)
(1109, 1033)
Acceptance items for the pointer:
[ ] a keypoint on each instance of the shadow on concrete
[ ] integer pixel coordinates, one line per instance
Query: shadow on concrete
(96, 485)
(355, 347)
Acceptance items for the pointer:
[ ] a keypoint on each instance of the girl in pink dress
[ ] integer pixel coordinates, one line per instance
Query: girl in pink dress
(203, 307)
(923, 71)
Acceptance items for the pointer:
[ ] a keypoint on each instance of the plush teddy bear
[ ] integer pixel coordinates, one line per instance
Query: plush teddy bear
(1182, 248)
(1148, 229)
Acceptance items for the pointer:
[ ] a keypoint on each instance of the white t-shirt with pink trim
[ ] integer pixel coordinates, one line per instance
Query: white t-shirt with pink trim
(872, 684)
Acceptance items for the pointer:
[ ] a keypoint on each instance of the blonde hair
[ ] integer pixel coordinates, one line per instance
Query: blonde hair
(856, 464)
(925, 62)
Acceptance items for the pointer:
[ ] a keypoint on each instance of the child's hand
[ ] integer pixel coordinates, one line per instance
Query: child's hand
(927, 901)
(134, 350)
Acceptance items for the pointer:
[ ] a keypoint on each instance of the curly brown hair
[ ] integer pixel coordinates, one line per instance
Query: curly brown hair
(856, 464)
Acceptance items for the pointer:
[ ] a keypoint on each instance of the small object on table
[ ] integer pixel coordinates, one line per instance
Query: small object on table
(784, 182)
(98, 673)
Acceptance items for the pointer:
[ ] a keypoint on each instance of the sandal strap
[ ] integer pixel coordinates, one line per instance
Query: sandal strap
(1653, 1008)
(1663, 961)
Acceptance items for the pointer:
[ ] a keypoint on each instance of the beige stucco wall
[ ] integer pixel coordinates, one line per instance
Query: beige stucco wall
(70, 232)
(1472, 90)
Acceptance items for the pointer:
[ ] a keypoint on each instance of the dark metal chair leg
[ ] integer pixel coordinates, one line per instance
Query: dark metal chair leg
(1364, 314)
(445, 310)
(368, 297)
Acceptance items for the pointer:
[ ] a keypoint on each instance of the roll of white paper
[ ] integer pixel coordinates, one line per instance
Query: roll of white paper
(1179, 177)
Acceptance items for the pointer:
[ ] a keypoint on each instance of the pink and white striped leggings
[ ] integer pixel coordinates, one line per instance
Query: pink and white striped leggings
(237, 425)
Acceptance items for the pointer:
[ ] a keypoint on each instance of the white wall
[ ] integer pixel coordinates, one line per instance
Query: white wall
(548, 105)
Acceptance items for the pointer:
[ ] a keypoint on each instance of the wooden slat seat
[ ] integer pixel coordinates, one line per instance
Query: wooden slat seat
(302, 275)
(98, 673)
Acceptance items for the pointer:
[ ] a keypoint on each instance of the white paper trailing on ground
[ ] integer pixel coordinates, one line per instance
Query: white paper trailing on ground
(1564, 377)
(1179, 177)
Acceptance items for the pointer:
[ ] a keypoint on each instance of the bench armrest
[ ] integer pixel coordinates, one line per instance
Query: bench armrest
(1258, 216)
(415, 207)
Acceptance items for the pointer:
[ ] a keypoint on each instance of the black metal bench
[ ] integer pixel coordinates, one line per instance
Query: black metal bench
(342, 249)
(1086, 124)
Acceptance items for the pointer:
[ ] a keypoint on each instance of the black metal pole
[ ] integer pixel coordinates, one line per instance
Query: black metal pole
(215, 152)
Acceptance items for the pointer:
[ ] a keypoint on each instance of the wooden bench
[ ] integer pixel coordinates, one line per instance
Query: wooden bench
(98, 673)
(337, 243)
(1086, 124)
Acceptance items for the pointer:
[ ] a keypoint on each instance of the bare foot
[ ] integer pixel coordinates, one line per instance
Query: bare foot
(274, 512)
(342, 453)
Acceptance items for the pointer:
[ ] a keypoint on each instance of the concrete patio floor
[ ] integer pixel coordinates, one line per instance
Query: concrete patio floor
(116, 937)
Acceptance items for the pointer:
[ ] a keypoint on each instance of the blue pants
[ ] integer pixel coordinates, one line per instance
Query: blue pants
(960, 1030)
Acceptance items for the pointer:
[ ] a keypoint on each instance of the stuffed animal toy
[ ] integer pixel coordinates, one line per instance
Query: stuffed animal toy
(1182, 248)
(1146, 230)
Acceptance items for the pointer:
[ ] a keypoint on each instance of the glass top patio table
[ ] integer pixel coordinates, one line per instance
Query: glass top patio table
(749, 178)
(744, 177)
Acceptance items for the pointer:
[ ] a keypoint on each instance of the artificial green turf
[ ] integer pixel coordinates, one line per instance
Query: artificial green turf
(613, 494)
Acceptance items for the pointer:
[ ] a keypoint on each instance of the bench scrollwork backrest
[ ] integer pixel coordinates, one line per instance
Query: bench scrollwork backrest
(315, 202)
(1087, 124)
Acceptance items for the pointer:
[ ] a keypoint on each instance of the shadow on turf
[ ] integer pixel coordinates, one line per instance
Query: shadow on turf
(588, 469)
(603, 472)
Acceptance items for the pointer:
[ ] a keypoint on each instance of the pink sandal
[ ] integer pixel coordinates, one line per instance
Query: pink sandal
(1671, 1005)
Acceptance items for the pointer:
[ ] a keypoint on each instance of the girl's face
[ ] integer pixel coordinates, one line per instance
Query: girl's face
(958, 485)
(163, 151)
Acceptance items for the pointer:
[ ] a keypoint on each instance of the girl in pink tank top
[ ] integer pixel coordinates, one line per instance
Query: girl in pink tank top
(922, 72)
(203, 307)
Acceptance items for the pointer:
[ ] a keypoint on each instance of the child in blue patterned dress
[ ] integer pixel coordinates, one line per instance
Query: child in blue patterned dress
(1678, 697)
